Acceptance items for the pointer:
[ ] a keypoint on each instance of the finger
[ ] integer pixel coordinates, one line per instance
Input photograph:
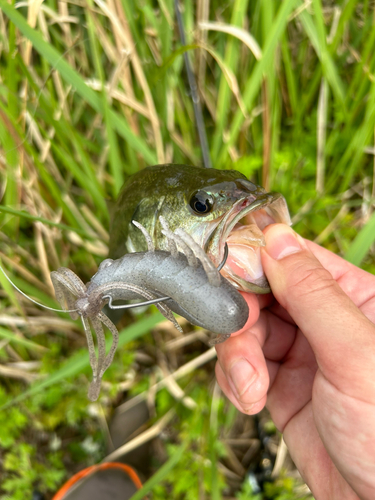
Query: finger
(281, 313)
(292, 387)
(253, 303)
(251, 408)
(342, 338)
(243, 365)
(265, 300)
(279, 336)
(272, 335)
(312, 460)
(358, 284)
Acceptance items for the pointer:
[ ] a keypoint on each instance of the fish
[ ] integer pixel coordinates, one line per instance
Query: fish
(213, 206)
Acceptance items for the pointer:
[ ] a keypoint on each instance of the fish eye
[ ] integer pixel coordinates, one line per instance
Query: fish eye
(201, 202)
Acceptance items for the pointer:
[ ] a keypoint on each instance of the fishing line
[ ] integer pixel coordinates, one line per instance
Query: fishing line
(34, 301)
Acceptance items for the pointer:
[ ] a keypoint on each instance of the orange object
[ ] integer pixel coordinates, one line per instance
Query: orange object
(90, 470)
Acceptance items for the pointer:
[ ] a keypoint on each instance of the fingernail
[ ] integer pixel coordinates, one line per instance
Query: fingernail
(249, 408)
(241, 376)
(282, 241)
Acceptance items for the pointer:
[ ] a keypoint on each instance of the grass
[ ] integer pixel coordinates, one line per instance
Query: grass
(91, 92)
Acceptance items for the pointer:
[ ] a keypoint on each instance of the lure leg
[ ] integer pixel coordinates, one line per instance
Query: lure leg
(213, 274)
(93, 392)
(94, 388)
(190, 255)
(111, 327)
(219, 339)
(68, 287)
(100, 338)
(192, 251)
(150, 244)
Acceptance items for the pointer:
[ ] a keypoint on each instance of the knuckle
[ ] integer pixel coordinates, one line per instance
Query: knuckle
(316, 280)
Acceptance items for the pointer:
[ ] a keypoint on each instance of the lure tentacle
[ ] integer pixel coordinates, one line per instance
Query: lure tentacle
(68, 287)
(90, 345)
(213, 274)
(150, 243)
(222, 337)
(172, 246)
(100, 339)
(190, 255)
(111, 327)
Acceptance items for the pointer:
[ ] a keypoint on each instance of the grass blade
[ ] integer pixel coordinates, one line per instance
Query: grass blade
(160, 474)
(254, 82)
(6, 334)
(79, 362)
(362, 243)
(26, 215)
(71, 76)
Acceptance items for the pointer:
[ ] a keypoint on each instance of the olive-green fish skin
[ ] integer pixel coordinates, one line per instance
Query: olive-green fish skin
(167, 190)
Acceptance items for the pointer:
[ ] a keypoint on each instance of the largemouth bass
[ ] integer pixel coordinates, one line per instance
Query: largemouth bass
(213, 206)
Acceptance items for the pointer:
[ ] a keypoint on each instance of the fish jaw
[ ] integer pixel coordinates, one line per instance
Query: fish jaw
(243, 267)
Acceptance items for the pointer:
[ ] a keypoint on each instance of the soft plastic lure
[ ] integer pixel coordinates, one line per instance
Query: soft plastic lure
(185, 282)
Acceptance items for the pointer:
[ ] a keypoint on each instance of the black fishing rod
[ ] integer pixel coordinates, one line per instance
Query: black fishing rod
(194, 92)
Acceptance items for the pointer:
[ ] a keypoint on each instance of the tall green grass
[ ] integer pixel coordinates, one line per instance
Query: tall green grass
(92, 92)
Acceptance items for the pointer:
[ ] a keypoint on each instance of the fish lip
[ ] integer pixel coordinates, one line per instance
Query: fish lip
(216, 241)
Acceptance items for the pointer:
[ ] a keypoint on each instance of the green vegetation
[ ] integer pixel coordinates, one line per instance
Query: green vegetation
(90, 93)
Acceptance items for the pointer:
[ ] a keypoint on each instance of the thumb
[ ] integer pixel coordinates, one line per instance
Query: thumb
(342, 338)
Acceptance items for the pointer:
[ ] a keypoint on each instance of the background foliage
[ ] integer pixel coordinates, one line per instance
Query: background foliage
(94, 90)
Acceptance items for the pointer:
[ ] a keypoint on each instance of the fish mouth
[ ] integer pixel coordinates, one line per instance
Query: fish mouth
(241, 228)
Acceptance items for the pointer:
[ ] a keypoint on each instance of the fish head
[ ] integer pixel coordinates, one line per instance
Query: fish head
(242, 230)
(192, 198)
(213, 206)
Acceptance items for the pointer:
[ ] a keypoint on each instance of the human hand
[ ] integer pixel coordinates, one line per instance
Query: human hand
(312, 348)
